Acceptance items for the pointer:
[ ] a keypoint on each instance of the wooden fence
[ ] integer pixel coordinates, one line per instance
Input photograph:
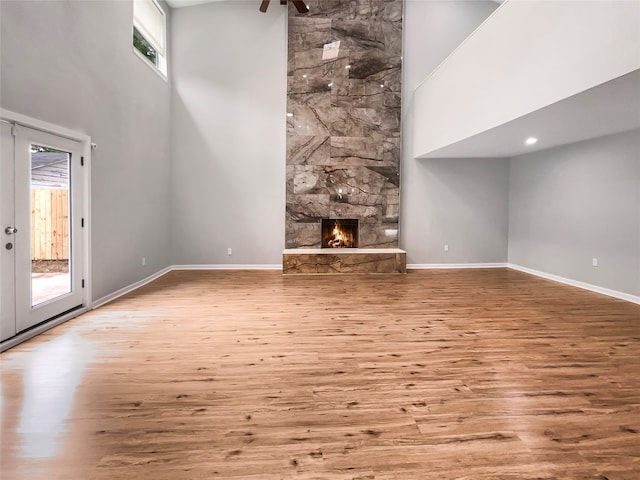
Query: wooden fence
(49, 224)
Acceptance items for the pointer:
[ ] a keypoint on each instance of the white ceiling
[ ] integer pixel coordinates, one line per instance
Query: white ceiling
(188, 3)
(609, 108)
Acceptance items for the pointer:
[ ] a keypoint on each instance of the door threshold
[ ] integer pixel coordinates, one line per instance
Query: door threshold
(42, 327)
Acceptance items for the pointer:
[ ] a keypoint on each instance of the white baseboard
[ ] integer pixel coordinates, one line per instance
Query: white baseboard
(440, 266)
(225, 266)
(130, 288)
(575, 283)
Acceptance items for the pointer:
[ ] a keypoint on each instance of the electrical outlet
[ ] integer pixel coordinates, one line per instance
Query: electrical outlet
(446, 248)
(229, 251)
(594, 262)
(144, 261)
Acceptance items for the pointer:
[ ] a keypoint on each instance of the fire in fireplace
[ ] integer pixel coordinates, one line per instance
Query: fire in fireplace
(339, 233)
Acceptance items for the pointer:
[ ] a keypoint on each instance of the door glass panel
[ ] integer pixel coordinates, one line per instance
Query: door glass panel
(50, 224)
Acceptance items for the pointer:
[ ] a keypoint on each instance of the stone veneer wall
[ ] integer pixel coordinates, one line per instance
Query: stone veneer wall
(343, 120)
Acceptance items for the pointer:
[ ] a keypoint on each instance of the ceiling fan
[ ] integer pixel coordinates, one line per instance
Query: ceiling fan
(299, 4)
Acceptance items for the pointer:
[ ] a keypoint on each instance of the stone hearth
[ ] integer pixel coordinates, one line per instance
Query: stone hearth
(344, 260)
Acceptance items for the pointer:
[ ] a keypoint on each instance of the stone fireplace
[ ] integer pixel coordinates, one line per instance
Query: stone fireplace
(343, 125)
(339, 233)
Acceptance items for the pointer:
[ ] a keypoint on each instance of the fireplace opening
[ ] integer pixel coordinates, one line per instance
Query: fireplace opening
(339, 233)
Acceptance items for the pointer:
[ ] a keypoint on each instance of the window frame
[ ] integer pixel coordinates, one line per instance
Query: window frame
(161, 66)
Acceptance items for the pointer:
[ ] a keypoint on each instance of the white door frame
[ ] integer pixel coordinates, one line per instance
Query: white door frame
(7, 214)
(86, 146)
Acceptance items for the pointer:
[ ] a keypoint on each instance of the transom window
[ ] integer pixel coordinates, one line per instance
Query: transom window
(149, 33)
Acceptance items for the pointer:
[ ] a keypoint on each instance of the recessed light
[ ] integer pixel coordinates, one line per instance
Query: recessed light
(530, 141)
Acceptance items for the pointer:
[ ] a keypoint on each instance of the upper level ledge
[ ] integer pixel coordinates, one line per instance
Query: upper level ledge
(570, 83)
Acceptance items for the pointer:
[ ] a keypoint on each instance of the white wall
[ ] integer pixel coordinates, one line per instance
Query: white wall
(72, 64)
(459, 202)
(570, 204)
(528, 55)
(229, 118)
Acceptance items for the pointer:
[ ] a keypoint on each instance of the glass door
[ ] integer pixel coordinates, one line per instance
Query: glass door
(50, 223)
(48, 226)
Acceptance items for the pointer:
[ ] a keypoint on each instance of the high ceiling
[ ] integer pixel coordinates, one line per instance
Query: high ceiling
(188, 3)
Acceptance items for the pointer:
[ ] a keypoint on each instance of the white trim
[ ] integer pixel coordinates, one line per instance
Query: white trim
(87, 152)
(156, 69)
(575, 283)
(24, 336)
(228, 267)
(439, 266)
(130, 288)
(43, 126)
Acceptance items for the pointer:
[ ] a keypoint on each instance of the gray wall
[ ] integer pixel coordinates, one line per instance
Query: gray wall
(229, 117)
(465, 206)
(72, 64)
(460, 202)
(570, 204)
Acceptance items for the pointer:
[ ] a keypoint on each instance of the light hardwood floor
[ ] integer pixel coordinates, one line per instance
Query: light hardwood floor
(470, 374)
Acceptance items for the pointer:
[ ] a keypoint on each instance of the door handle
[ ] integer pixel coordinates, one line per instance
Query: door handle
(10, 230)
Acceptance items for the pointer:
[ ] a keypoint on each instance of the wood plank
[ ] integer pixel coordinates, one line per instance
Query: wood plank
(452, 374)
(35, 244)
(65, 224)
(54, 220)
(49, 224)
(60, 219)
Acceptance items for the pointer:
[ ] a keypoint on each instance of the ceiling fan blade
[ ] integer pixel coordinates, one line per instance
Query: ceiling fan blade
(300, 6)
(264, 5)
